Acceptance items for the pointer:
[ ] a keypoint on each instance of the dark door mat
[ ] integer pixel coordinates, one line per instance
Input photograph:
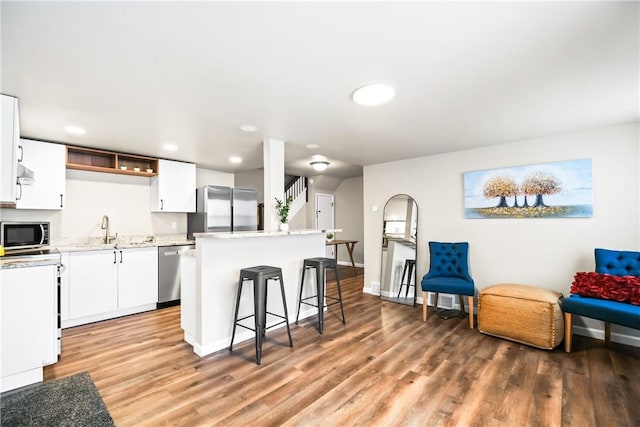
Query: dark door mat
(70, 401)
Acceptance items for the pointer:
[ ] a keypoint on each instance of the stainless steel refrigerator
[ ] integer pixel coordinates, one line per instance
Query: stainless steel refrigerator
(223, 209)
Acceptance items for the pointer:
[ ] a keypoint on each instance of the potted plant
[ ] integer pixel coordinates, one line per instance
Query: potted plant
(282, 208)
(329, 236)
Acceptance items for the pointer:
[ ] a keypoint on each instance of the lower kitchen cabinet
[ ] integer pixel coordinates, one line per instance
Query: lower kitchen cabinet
(137, 277)
(29, 324)
(93, 283)
(110, 283)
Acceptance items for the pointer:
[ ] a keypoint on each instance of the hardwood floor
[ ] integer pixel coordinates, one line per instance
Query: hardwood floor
(383, 368)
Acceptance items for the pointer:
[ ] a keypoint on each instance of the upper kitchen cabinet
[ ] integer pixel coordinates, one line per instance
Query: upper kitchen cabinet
(174, 188)
(47, 161)
(9, 135)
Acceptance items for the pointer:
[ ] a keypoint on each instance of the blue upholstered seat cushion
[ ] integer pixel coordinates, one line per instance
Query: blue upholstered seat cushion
(448, 269)
(448, 285)
(620, 313)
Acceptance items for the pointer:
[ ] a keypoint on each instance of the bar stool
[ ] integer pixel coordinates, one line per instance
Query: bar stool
(260, 275)
(409, 264)
(320, 264)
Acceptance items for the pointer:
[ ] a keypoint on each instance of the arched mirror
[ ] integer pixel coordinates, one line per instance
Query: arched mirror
(399, 236)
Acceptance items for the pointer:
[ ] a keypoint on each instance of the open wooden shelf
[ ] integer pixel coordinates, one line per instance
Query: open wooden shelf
(90, 159)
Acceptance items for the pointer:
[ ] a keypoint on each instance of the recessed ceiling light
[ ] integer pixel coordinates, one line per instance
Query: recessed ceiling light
(170, 147)
(235, 159)
(373, 94)
(312, 146)
(76, 130)
(249, 128)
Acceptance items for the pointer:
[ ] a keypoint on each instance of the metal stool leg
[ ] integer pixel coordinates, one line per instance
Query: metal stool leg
(304, 269)
(259, 306)
(286, 313)
(320, 292)
(406, 292)
(404, 271)
(344, 322)
(235, 319)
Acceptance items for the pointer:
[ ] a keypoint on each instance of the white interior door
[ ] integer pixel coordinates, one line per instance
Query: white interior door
(324, 216)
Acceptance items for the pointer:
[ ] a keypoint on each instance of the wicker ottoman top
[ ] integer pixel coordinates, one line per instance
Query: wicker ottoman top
(527, 292)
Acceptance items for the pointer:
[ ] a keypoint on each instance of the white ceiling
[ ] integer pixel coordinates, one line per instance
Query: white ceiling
(137, 75)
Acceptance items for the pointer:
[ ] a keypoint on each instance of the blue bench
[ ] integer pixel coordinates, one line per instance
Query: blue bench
(619, 263)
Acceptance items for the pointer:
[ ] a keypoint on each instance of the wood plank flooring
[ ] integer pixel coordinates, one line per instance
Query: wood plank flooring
(383, 368)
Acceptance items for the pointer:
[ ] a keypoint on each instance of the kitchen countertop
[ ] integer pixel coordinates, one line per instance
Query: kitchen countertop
(260, 233)
(18, 261)
(122, 242)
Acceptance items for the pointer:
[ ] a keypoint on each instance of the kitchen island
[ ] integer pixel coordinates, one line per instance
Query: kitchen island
(210, 281)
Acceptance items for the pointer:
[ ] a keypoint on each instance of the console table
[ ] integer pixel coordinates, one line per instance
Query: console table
(349, 244)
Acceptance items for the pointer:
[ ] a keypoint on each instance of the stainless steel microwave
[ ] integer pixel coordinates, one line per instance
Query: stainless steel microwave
(23, 235)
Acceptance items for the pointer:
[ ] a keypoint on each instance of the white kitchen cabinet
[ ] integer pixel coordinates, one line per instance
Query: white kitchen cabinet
(109, 283)
(29, 324)
(48, 162)
(9, 135)
(174, 188)
(93, 282)
(137, 277)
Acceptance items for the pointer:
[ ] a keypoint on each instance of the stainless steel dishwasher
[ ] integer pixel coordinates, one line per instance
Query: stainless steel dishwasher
(169, 274)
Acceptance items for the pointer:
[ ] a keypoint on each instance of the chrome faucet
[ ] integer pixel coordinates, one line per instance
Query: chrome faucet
(105, 226)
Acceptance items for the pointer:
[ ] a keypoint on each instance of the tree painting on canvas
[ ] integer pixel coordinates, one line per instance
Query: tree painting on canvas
(547, 190)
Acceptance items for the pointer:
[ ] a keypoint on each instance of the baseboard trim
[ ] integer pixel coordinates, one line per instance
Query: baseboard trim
(599, 334)
(348, 263)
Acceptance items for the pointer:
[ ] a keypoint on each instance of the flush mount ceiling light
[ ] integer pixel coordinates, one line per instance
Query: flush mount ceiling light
(373, 94)
(312, 146)
(235, 159)
(76, 130)
(170, 147)
(249, 128)
(319, 165)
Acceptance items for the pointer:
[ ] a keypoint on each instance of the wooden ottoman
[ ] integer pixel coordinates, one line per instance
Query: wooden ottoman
(521, 313)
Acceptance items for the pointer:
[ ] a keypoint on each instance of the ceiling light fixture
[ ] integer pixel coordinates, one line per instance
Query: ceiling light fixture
(235, 159)
(319, 165)
(170, 147)
(249, 128)
(312, 146)
(373, 94)
(76, 130)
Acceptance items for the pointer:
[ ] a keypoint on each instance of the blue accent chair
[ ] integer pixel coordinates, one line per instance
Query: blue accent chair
(619, 263)
(449, 274)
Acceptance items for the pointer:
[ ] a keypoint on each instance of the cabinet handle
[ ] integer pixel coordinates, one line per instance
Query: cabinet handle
(61, 204)
(120, 257)
(21, 153)
(114, 257)
(161, 204)
(19, 194)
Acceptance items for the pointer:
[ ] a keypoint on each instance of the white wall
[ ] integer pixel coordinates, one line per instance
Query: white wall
(125, 198)
(542, 252)
(348, 217)
(211, 177)
(252, 179)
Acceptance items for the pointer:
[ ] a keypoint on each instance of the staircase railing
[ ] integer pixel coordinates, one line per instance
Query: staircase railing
(296, 188)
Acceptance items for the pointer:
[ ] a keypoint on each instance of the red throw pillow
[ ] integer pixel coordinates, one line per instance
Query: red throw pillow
(607, 286)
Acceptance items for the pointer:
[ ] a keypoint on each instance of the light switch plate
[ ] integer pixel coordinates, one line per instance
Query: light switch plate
(174, 225)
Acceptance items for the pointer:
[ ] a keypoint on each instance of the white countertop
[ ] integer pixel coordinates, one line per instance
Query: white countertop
(7, 262)
(248, 234)
(262, 233)
(122, 242)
